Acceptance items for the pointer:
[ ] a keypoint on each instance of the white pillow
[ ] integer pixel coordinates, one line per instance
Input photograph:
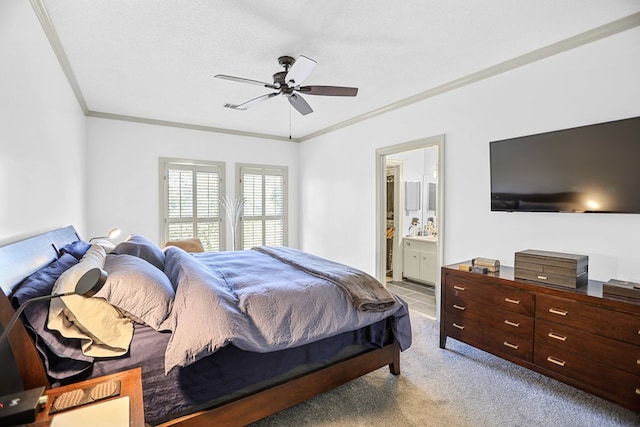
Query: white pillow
(103, 330)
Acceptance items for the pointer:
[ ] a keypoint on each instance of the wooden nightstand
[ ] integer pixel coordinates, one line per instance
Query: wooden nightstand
(130, 385)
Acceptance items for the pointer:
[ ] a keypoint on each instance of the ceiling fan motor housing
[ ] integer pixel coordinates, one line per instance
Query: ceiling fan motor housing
(278, 78)
(286, 61)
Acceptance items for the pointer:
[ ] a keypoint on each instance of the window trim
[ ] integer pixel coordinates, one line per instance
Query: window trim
(163, 166)
(263, 170)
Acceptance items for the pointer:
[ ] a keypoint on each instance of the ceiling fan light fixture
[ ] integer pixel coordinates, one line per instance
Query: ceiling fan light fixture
(288, 83)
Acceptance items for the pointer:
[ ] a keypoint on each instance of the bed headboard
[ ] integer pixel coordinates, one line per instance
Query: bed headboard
(17, 261)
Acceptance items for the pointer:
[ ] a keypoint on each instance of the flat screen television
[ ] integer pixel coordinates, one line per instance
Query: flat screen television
(593, 168)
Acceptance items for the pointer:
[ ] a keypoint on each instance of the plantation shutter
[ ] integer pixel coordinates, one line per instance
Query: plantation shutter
(192, 194)
(264, 191)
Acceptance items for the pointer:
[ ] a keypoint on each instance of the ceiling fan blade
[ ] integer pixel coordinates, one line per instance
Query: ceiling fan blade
(243, 80)
(300, 104)
(250, 102)
(299, 71)
(329, 90)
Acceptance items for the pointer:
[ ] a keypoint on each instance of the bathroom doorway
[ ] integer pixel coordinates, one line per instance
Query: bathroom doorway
(417, 208)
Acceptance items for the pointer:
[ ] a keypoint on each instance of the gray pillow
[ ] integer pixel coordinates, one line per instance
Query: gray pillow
(141, 291)
(141, 247)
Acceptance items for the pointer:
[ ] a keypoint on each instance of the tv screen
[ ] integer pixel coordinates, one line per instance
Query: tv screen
(593, 168)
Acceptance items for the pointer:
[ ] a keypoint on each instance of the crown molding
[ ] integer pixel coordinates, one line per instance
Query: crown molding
(54, 41)
(182, 125)
(581, 39)
(576, 41)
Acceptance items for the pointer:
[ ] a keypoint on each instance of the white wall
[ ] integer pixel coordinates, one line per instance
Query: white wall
(42, 157)
(123, 175)
(42, 132)
(595, 83)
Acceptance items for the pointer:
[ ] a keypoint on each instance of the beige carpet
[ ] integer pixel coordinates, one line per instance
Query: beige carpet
(458, 386)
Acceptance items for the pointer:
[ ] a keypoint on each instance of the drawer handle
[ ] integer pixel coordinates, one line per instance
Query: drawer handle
(638, 391)
(638, 361)
(512, 301)
(561, 338)
(556, 361)
(455, 325)
(510, 323)
(462, 288)
(543, 278)
(559, 312)
(459, 307)
(513, 346)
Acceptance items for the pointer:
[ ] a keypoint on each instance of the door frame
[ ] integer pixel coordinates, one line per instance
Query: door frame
(381, 203)
(398, 202)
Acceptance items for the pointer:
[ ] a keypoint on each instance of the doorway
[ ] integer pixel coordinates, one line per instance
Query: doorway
(389, 251)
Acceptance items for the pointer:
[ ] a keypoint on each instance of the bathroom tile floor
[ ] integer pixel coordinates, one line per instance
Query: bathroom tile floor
(420, 297)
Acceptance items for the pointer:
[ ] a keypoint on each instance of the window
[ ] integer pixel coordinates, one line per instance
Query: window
(190, 197)
(264, 217)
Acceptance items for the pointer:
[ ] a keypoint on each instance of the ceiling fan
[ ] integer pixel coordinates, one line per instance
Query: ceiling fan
(288, 82)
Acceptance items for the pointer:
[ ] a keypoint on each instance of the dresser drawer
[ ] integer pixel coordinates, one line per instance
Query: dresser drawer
(504, 297)
(610, 383)
(595, 347)
(549, 278)
(590, 318)
(508, 321)
(494, 341)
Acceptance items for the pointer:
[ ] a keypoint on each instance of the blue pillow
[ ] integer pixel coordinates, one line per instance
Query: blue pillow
(62, 356)
(77, 248)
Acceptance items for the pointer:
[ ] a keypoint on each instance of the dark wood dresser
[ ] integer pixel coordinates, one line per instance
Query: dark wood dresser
(576, 336)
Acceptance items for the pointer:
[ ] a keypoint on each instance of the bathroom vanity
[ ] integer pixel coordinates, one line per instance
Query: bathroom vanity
(420, 258)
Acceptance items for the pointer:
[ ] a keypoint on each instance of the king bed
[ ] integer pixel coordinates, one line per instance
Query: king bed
(222, 338)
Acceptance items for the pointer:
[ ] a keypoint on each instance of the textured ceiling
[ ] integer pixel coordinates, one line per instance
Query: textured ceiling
(156, 60)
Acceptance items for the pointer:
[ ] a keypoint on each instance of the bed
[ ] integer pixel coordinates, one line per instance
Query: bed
(223, 377)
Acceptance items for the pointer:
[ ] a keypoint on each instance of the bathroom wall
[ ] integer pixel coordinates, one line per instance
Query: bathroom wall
(418, 166)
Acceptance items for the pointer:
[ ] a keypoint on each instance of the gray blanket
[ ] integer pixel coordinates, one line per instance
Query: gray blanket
(365, 292)
(259, 304)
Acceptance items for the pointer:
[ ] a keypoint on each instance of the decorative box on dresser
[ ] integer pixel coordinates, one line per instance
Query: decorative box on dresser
(577, 336)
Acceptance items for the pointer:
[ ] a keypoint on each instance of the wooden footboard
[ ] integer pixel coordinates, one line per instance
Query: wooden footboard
(282, 396)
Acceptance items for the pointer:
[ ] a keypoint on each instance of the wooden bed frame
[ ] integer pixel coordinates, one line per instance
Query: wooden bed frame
(20, 259)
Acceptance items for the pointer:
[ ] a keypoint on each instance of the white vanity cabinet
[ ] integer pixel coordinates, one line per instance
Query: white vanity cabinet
(420, 259)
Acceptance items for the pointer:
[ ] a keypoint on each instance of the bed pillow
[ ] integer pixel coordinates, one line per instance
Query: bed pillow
(77, 248)
(102, 329)
(62, 356)
(141, 247)
(140, 290)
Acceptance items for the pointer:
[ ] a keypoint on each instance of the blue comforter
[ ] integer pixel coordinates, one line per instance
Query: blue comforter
(259, 304)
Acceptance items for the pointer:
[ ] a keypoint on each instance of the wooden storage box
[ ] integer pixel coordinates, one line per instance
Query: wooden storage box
(552, 268)
(622, 288)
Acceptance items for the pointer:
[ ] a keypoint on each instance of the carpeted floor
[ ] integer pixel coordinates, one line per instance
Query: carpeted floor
(458, 386)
